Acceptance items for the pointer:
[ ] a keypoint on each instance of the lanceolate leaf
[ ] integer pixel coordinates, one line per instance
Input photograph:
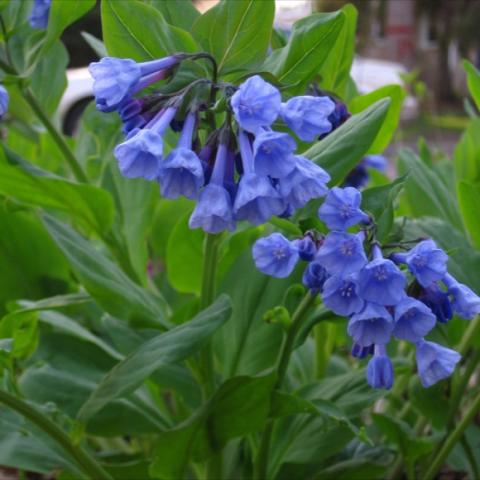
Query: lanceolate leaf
(165, 349)
(469, 201)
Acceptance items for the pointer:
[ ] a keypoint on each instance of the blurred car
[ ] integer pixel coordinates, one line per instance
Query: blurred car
(368, 73)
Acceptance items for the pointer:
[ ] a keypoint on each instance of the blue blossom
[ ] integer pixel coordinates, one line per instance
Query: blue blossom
(275, 255)
(314, 277)
(434, 362)
(378, 162)
(4, 99)
(339, 115)
(413, 320)
(340, 294)
(361, 352)
(341, 209)
(307, 116)
(358, 177)
(380, 369)
(140, 155)
(39, 16)
(307, 248)
(342, 253)
(256, 199)
(273, 153)
(466, 302)
(256, 104)
(426, 261)
(182, 173)
(213, 212)
(438, 302)
(305, 182)
(381, 281)
(373, 325)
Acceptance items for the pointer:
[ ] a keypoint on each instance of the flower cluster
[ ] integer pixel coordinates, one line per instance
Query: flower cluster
(402, 296)
(40, 11)
(4, 98)
(244, 171)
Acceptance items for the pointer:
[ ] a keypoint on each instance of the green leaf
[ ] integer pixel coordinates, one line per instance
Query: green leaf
(89, 205)
(180, 13)
(104, 280)
(23, 329)
(231, 31)
(95, 44)
(473, 81)
(238, 408)
(396, 94)
(307, 49)
(341, 150)
(469, 201)
(467, 153)
(167, 348)
(136, 30)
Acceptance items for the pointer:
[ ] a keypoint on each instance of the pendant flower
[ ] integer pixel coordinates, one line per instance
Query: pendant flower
(275, 255)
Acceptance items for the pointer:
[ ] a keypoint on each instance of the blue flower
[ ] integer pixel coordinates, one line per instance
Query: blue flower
(275, 255)
(256, 199)
(434, 362)
(305, 182)
(256, 104)
(466, 302)
(4, 99)
(378, 162)
(438, 302)
(413, 320)
(340, 294)
(140, 155)
(307, 248)
(373, 325)
(308, 116)
(381, 281)
(339, 115)
(213, 212)
(426, 261)
(342, 253)
(358, 177)
(40, 11)
(341, 209)
(182, 173)
(361, 352)
(273, 154)
(380, 369)
(314, 277)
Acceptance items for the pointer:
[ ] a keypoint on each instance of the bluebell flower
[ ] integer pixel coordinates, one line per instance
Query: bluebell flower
(361, 352)
(342, 253)
(340, 294)
(307, 248)
(213, 212)
(381, 281)
(438, 302)
(256, 199)
(4, 99)
(256, 104)
(380, 369)
(275, 255)
(373, 325)
(314, 277)
(307, 116)
(273, 153)
(465, 302)
(426, 261)
(413, 320)
(305, 182)
(358, 177)
(140, 155)
(378, 162)
(434, 362)
(117, 79)
(339, 115)
(182, 173)
(40, 12)
(341, 209)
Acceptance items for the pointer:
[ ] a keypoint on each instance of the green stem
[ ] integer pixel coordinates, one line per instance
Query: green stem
(451, 440)
(261, 463)
(324, 342)
(86, 463)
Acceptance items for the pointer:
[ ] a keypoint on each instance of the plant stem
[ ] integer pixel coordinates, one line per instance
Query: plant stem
(260, 467)
(86, 463)
(324, 343)
(452, 439)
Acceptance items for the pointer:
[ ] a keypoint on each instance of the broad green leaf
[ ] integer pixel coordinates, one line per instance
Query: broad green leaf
(473, 81)
(231, 31)
(467, 154)
(238, 408)
(167, 348)
(341, 150)
(469, 202)
(307, 49)
(105, 281)
(396, 94)
(95, 44)
(180, 13)
(24, 332)
(90, 206)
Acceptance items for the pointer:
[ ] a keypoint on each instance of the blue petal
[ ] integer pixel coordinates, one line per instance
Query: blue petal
(413, 320)
(373, 325)
(275, 255)
(273, 154)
